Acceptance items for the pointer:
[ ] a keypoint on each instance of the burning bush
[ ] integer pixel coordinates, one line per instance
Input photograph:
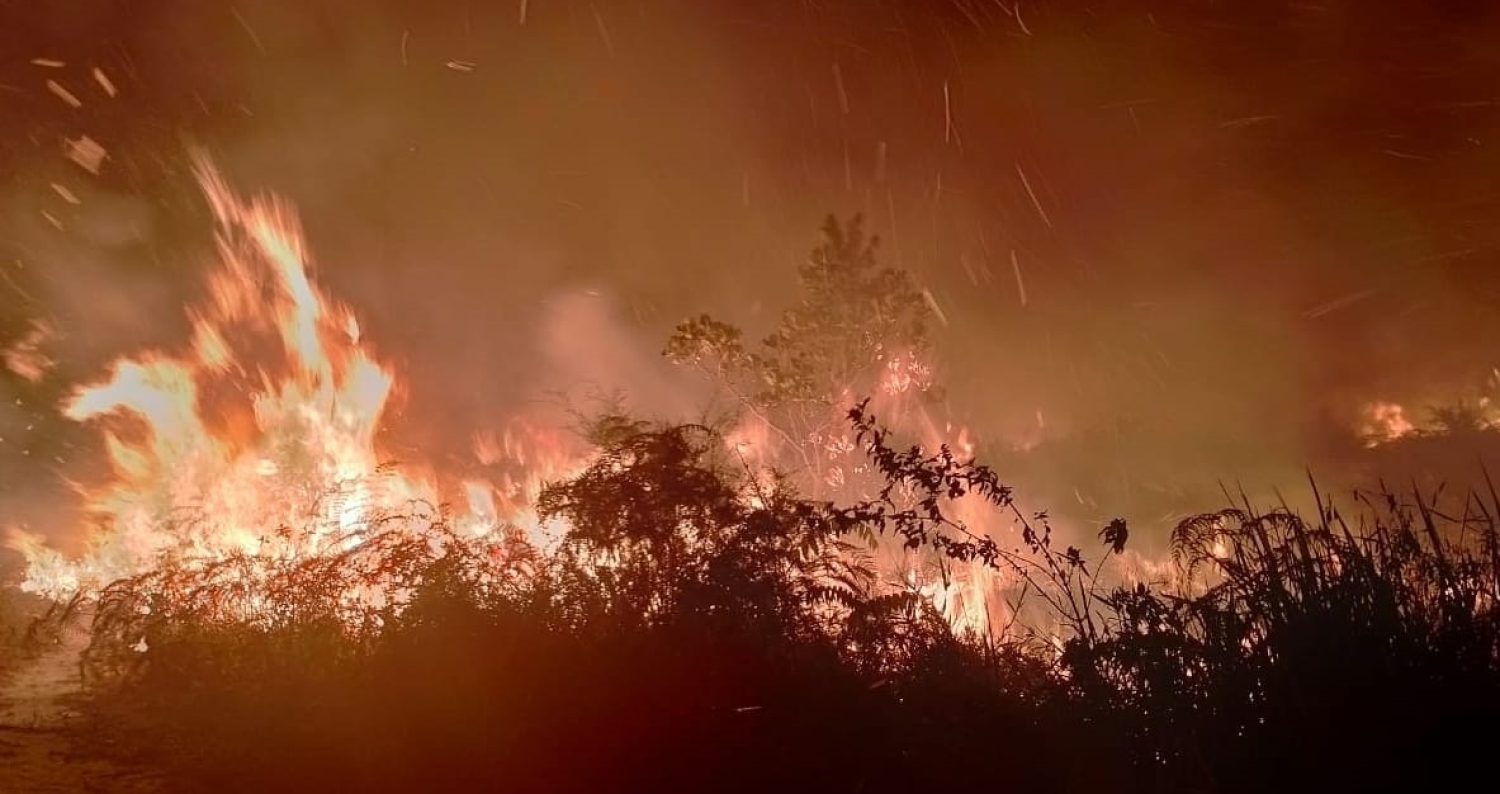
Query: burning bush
(695, 624)
(274, 608)
(700, 626)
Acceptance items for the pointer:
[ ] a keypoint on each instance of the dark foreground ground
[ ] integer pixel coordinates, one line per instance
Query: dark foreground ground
(45, 743)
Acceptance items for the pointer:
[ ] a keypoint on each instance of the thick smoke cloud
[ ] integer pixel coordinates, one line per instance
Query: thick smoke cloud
(1172, 246)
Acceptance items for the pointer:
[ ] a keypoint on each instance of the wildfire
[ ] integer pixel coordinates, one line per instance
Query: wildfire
(523, 457)
(258, 442)
(261, 437)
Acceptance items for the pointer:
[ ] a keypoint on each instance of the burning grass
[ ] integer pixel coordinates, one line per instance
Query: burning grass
(274, 609)
(682, 635)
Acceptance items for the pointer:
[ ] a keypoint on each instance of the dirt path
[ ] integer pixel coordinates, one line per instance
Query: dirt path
(39, 750)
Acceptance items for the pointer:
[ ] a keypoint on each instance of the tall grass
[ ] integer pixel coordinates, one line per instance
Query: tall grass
(684, 636)
(1347, 651)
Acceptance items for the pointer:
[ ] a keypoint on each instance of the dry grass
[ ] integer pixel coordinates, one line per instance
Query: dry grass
(720, 648)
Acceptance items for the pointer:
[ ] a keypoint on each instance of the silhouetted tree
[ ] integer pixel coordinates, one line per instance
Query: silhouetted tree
(850, 316)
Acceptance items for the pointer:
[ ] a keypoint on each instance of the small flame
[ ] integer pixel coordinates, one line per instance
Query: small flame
(1385, 422)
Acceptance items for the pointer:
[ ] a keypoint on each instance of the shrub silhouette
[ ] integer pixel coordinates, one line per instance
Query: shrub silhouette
(1322, 654)
(696, 626)
(702, 626)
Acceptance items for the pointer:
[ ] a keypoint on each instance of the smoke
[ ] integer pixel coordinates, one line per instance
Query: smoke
(1172, 248)
(587, 351)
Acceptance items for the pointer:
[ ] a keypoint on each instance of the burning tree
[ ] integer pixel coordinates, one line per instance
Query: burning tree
(855, 324)
(857, 338)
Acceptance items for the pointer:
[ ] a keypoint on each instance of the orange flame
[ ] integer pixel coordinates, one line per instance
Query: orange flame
(185, 488)
(1385, 421)
(260, 438)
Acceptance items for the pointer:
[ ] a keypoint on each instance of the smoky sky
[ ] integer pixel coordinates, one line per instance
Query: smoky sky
(1172, 243)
